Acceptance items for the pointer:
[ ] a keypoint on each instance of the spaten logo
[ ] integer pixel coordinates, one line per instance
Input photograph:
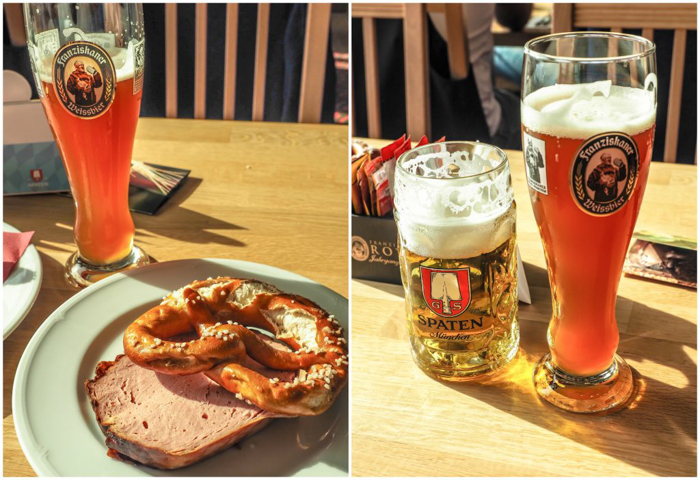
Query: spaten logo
(447, 292)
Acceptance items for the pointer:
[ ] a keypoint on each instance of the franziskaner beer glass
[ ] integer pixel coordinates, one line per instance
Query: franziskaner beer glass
(588, 118)
(455, 214)
(88, 64)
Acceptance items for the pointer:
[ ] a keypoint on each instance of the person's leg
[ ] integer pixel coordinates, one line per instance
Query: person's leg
(508, 134)
(508, 63)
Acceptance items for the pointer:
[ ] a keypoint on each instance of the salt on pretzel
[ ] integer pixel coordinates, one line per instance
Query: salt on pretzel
(220, 311)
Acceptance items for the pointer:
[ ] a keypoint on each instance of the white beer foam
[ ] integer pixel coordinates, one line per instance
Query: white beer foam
(585, 110)
(443, 238)
(123, 59)
(444, 216)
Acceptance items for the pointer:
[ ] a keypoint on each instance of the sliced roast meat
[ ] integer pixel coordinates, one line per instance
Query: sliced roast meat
(169, 421)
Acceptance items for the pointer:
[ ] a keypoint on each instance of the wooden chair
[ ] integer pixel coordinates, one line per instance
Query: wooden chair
(313, 67)
(14, 19)
(647, 16)
(415, 58)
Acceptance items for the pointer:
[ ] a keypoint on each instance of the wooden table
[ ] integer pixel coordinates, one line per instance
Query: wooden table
(406, 424)
(262, 192)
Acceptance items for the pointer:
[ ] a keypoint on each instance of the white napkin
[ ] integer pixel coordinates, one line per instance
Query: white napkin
(523, 288)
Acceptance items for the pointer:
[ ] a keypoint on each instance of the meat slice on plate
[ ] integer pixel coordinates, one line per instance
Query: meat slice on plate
(169, 421)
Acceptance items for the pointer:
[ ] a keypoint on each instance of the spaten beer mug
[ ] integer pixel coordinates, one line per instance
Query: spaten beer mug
(88, 65)
(588, 118)
(455, 214)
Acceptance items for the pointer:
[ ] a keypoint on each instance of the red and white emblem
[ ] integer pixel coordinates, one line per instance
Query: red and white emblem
(446, 291)
(37, 175)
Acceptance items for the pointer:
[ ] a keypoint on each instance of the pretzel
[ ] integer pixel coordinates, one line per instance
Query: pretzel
(220, 311)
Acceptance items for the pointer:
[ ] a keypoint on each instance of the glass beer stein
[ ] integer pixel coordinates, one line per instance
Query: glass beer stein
(455, 215)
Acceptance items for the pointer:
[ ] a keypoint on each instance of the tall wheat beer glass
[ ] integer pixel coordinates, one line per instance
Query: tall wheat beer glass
(455, 214)
(88, 64)
(588, 119)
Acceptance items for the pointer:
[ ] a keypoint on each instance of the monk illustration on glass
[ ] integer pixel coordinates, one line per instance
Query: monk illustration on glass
(83, 83)
(603, 179)
(534, 161)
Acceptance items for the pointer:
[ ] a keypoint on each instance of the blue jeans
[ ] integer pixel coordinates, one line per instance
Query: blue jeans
(508, 63)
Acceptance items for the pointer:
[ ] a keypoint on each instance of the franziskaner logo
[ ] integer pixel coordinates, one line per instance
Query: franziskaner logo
(84, 79)
(604, 173)
(447, 292)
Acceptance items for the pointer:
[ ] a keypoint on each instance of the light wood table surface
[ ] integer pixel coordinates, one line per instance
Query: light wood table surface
(406, 424)
(263, 192)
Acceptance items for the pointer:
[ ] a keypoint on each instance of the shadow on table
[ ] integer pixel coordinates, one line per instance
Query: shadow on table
(172, 221)
(173, 216)
(658, 409)
(395, 290)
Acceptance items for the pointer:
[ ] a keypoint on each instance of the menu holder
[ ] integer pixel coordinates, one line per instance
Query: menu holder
(669, 259)
(31, 160)
(151, 185)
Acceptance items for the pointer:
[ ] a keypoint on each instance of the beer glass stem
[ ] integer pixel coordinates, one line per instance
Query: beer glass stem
(80, 273)
(604, 391)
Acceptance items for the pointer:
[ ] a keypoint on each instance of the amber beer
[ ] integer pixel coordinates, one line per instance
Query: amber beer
(585, 251)
(457, 258)
(587, 149)
(588, 111)
(586, 240)
(88, 63)
(97, 156)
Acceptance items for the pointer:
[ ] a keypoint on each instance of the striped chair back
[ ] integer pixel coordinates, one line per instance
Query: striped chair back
(415, 58)
(679, 17)
(313, 69)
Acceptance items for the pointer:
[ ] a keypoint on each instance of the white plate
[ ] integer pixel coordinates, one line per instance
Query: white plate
(56, 425)
(21, 288)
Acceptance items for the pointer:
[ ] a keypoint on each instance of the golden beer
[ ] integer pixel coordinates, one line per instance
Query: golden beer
(456, 220)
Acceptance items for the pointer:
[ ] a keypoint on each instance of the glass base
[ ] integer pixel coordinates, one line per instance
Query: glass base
(598, 393)
(80, 274)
